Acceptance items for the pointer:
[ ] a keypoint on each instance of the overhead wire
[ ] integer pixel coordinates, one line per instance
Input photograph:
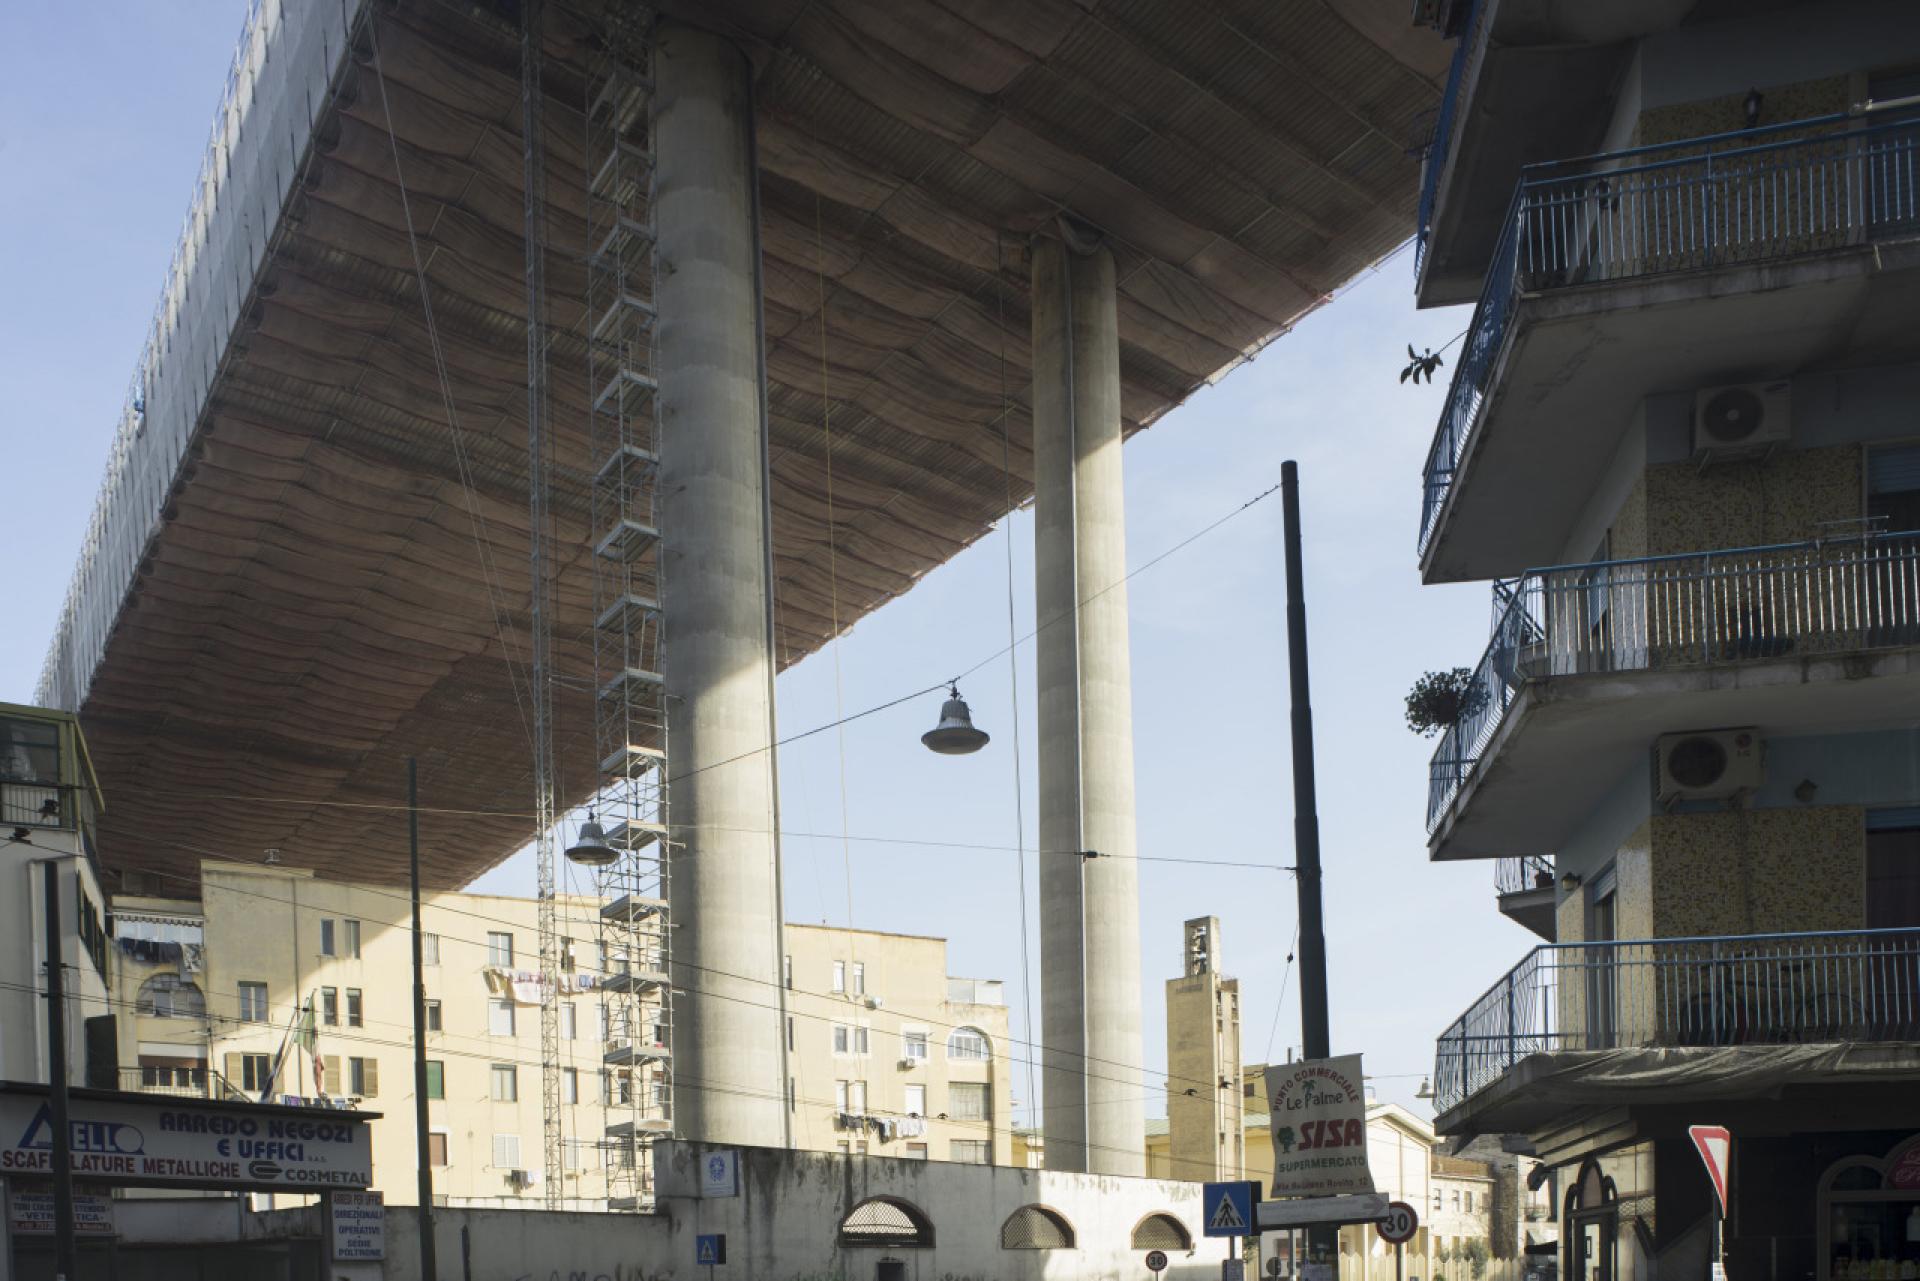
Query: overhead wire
(1013, 687)
(833, 571)
(441, 908)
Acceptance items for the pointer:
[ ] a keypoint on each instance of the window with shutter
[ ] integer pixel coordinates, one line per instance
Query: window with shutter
(436, 1079)
(436, 1149)
(969, 1101)
(333, 1082)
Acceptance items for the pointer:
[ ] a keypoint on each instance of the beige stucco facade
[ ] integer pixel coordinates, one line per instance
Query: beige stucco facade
(346, 948)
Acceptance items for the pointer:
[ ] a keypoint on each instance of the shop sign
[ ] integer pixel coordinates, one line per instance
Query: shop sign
(30, 1208)
(1904, 1172)
(359, 1226)
(1319, 1119)
(162, 1144)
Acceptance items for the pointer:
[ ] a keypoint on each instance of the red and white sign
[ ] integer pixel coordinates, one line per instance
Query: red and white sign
(1399, 1225)
(1714, 1143)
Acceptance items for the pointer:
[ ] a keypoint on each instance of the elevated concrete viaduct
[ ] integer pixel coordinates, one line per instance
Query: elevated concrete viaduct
(307, 560)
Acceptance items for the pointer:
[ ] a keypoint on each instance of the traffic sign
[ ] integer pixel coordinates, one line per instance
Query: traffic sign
(1233, 1270)
(1156, 1261)
(1399, 1225)
(1226, 1209)
(1273, 1266)
(710, 1250)
(1713, 1142)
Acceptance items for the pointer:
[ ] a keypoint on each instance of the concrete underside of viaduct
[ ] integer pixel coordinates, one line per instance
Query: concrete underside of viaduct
(332, 579)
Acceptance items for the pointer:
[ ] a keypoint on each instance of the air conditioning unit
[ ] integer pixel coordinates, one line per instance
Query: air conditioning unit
(520, 1178)
(1741, 418)
(1709, 764)
(908, 1065)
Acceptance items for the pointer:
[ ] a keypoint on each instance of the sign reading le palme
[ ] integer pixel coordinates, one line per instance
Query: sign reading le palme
(1319, 1119)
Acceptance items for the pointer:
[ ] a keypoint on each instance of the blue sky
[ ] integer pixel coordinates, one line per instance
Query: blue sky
(91, 205)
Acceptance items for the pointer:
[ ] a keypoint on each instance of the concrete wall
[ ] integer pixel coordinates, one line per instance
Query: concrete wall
(1654, 499)
(1792, 44)
(782, 1227)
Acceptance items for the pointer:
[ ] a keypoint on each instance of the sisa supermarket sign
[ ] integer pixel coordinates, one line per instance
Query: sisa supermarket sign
(1319, 1115)
(201, 1145)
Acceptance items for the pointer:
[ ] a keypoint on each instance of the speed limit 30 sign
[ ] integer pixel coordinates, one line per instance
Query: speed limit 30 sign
(1399, 1225)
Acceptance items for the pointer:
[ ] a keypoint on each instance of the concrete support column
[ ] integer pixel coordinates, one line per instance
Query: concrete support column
(729, 1073)
(1089, 908)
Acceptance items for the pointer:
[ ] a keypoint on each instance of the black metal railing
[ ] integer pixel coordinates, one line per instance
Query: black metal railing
(1755, 989)
(1758, 195)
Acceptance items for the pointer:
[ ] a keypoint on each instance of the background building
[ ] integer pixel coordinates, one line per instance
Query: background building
(1693, 744)
(1205, 1133)
(888, 1055)
(49, 805)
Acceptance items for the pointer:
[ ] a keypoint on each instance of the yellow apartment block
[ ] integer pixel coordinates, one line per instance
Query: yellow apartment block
(887, 1055)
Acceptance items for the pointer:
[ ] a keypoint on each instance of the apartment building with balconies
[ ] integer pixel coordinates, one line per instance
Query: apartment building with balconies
(273, 984)
(1682, 442)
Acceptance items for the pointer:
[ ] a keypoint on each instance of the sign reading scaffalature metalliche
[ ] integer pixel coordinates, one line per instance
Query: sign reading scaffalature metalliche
(182, 1143)
(1319, 1117)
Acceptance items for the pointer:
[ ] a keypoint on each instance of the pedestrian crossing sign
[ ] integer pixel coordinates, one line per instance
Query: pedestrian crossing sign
(1226, 1209)
(710, 1250)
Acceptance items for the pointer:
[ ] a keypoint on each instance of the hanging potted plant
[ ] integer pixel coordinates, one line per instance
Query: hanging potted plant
(1440, 700)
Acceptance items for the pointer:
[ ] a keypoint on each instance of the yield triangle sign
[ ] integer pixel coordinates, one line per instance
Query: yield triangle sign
(1714, 1142)
(1226, 1217)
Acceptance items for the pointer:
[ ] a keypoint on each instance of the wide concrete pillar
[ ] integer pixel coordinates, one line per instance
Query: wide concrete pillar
(1089, 908)
(729, 1079)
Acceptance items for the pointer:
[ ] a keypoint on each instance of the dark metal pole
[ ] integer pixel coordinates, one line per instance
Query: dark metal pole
(63, 1249)
(1306, 819)
(422, 1141)
(1315, 1039)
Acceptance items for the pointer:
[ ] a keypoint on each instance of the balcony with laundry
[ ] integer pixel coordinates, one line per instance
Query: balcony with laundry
(1590, 666)
(1719, 266)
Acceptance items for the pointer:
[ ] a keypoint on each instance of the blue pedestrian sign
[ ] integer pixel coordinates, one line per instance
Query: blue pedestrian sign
(710, 1250)
(1226, 1209)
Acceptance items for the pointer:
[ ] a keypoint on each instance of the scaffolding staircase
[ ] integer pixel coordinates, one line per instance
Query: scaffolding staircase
(630, 723)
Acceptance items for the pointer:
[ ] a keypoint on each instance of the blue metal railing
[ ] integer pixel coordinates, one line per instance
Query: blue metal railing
(1766, 194)
(1827, 596)
(1751, 989)
(1434, 159)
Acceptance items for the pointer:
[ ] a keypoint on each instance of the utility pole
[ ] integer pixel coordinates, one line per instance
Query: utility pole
(63, 1247)
(1315, 1038)
(422, 1141)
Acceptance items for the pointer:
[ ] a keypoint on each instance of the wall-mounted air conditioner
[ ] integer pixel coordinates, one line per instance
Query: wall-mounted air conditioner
(1709, 764)
(1741, 418)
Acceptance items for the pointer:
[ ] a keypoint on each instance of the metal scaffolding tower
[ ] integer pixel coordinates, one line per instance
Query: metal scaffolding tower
(539, 623)
(630, 723)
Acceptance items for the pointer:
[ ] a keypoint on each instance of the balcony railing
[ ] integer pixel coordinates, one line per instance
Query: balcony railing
(181, 1082)
(1522, 875)
(26, 802)
(1747, 197)
(1757, 989)
(1467, 52)
(1665, 612)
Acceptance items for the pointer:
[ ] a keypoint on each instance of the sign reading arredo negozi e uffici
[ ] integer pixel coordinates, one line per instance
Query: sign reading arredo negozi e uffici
(1319, 1118)
(205, 1145)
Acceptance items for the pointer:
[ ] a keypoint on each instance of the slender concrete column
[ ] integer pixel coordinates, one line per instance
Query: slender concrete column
(1089, 908)
(729, 1084)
